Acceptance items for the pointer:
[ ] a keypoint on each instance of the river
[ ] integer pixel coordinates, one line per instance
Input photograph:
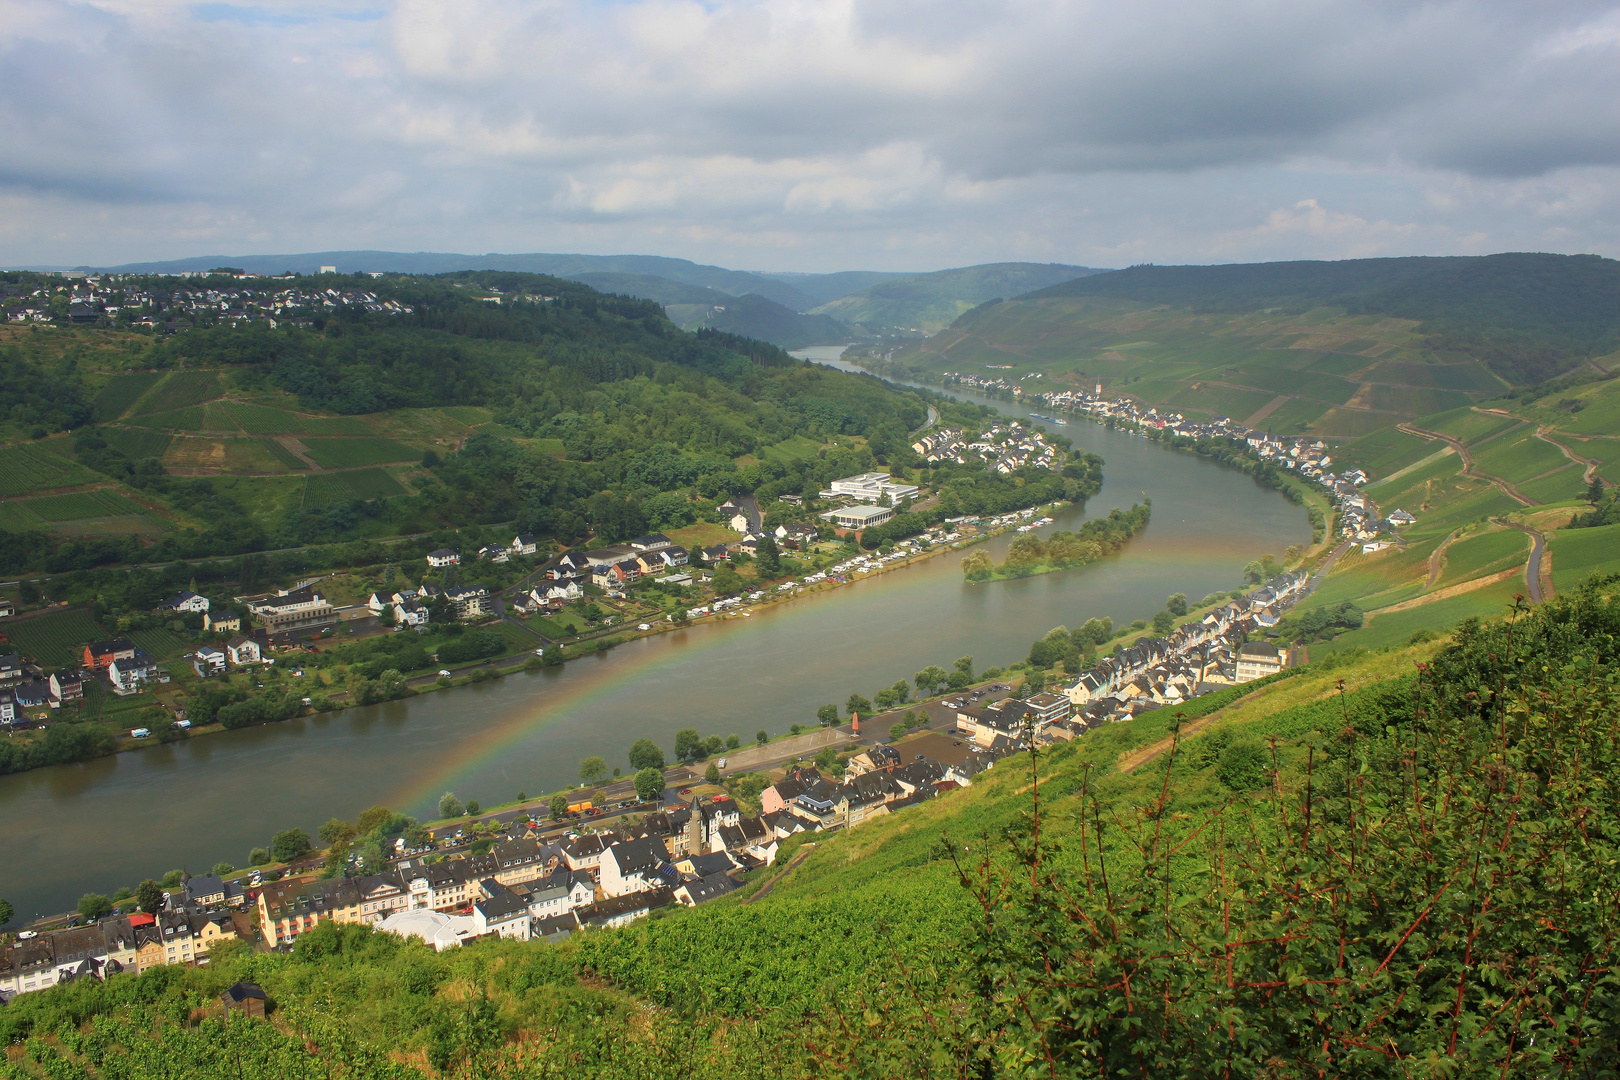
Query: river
(110, 822)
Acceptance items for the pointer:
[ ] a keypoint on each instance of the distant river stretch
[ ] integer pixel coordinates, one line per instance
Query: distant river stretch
(110, 822)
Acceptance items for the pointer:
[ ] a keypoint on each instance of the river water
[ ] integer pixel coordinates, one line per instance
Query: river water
(100, 824)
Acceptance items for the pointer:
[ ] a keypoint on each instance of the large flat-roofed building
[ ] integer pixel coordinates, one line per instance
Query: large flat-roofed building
(292, 610)
(859, 517)
(872, 486)
(1256, 660)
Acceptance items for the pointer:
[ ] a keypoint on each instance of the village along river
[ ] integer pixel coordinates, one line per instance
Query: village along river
(97, 825)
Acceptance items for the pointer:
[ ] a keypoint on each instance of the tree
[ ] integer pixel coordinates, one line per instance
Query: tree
(289, 844)
(645, 754)
(220, 869)
(94, 906)
(336, 831)
(449, 805)
(733, 741)
(6, 911)
(1176, 604)
(1162, 622)
(149, 896)
(726, 579)
(712, 773)
(857, 704)
(592, 769)
(762, 738)
(688, 744)
(558, 806)
(371, 818)
(713, 745)
(769, 558)
(258, 856)
(1594, 490)
(472, 806)
(929, 679)
(649, 784)
(828, 715)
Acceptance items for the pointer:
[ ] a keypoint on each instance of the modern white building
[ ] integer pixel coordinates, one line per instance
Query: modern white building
(859, 517)
(433, 927)
(1256, 660)
(872, 486)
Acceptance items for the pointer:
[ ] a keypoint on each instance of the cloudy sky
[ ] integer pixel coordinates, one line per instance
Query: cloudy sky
(810, 134)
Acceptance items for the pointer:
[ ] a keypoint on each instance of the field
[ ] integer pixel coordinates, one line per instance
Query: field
(703, 534)
(179, 390)
(254, 419)
(51, 511)
(28, 468)
(560, 625)
(323, 489)
(1394, 627)
(1519, 456)
(1579, 553)
(349, 453)
(284, 455)
(789, 450)
(180, 420)
(163, 644)
(189, 454)
(1468, 425)
(1482, 554)
(136, 443)
(122, 391)
(54, 640)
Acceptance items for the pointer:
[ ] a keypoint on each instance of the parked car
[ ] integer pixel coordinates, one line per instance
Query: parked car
(444, 673)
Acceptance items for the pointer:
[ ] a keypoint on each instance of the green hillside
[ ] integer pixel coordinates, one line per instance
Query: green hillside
(500, 398)
(930, 302)
(756, 317)
(1528, 316)
(1400, 865)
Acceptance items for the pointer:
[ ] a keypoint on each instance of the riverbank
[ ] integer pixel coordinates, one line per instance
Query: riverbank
(528, 731)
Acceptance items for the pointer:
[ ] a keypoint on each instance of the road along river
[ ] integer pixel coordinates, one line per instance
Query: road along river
(110, 822)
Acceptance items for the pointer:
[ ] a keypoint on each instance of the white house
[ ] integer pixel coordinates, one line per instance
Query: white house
(243, 650)
(524, 544)
(188, 602)
(444, 557)
(502, 913)
(412, 613)
(209, 660)
(632, 867)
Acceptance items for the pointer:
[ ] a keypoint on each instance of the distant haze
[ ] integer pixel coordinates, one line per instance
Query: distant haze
(790, 137)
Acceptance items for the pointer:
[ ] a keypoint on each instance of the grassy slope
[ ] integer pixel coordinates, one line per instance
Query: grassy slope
(931, 302)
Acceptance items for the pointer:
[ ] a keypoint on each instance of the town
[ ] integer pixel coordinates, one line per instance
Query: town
(111, 301)
(530, 880)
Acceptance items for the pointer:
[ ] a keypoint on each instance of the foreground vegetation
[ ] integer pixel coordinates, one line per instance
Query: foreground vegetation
(1402, 865)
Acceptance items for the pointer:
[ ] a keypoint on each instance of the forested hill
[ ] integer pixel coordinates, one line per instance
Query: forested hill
(1529, 316)
(465, 399)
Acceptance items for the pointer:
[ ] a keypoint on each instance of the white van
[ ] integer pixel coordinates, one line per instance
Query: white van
(141, 733)
(720, 764)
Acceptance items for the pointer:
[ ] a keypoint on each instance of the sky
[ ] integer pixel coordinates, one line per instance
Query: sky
(810, 135)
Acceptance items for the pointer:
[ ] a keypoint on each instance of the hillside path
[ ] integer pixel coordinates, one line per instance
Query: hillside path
(802, 854)
(1468, 462)
(1436, 560)
(1588, 465)
(1533, 568)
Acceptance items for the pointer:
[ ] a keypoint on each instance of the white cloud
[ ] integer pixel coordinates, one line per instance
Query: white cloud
(845, 133)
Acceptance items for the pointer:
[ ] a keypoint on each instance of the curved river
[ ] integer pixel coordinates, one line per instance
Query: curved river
(104, 823)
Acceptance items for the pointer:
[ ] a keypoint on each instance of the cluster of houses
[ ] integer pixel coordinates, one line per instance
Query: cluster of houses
(989, 385)
(1004, 447)
(1358, 518)
(24, 687)
(98, 300)
(1195, 659)
(205, 912)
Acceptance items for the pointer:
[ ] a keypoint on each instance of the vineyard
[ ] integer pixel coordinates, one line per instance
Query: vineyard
(136, 443)
(48, 511)
(351, 453)
(179, 390)
(283, 455)
(255, 419)
(54, 640)
(121, 392)
(324, 489)
(28, 468)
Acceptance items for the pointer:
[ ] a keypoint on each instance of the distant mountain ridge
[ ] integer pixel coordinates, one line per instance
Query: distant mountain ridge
(931, 302)
(775, 307)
